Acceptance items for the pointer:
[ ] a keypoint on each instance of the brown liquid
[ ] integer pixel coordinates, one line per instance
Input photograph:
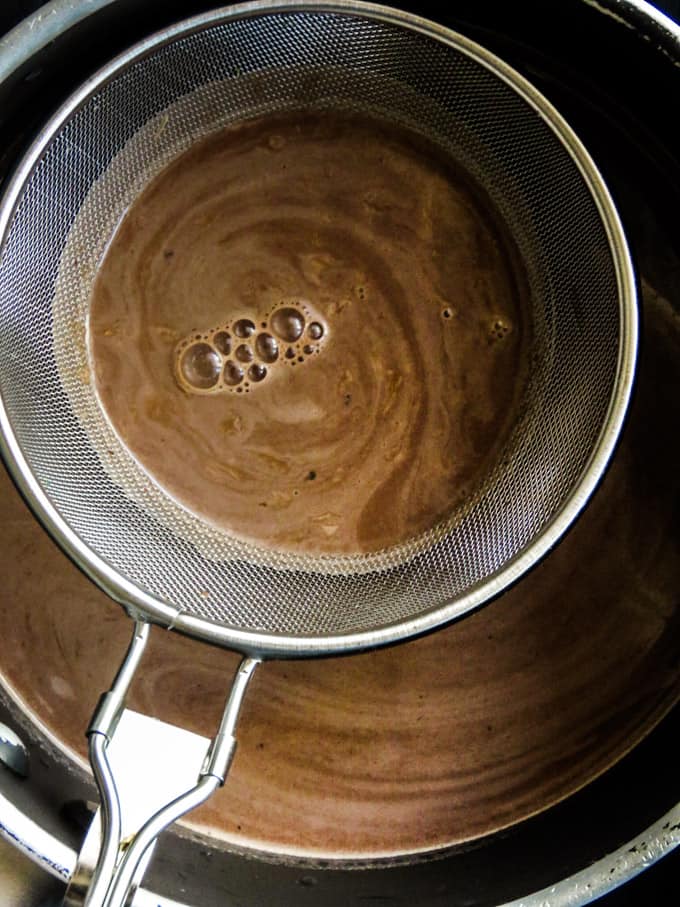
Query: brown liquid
(368, 428)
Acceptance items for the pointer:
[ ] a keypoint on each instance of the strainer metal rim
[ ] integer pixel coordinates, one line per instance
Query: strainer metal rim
(142, 604)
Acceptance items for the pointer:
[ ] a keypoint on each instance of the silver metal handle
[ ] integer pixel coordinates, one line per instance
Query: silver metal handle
(118, 862)
(101, 729)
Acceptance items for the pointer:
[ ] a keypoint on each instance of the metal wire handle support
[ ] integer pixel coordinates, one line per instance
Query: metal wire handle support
(100, 731)
(115, 871)
(213, 773)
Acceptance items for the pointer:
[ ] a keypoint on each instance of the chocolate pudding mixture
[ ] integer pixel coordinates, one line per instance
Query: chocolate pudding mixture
(311, 330)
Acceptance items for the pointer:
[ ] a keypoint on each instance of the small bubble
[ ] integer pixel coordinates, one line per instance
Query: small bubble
(233, 373)
(290, 353)
(315, 330)
(244, 327)
(288, 323)
(301, 358)
(257, 372)
(244, 353)
(200, 366)
(267, 348)
(222, 342)
(307, 349)
(447, 313)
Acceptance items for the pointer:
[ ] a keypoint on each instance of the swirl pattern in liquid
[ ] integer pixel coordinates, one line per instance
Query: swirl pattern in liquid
(311, 330)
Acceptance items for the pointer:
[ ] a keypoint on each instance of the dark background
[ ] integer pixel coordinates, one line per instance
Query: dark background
(659, 885)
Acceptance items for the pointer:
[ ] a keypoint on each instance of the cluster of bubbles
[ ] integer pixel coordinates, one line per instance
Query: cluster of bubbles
(499, 328)
(240, 354)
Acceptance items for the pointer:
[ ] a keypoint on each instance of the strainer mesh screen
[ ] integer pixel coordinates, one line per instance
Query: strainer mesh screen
(155, 108)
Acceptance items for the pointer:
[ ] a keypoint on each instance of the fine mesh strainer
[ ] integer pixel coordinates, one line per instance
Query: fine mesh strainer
(165, 565)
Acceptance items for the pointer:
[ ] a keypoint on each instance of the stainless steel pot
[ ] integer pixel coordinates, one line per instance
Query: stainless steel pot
(574, 852)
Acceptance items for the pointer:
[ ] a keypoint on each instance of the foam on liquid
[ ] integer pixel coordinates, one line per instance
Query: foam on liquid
(216, 361)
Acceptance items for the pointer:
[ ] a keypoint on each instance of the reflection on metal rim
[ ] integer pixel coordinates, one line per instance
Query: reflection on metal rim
(57, 16)
(582, 887)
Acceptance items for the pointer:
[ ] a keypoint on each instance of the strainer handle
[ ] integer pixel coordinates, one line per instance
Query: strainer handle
(100, 731)
(115, 871)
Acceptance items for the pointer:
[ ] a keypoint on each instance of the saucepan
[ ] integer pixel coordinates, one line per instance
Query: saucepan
(362, 837)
